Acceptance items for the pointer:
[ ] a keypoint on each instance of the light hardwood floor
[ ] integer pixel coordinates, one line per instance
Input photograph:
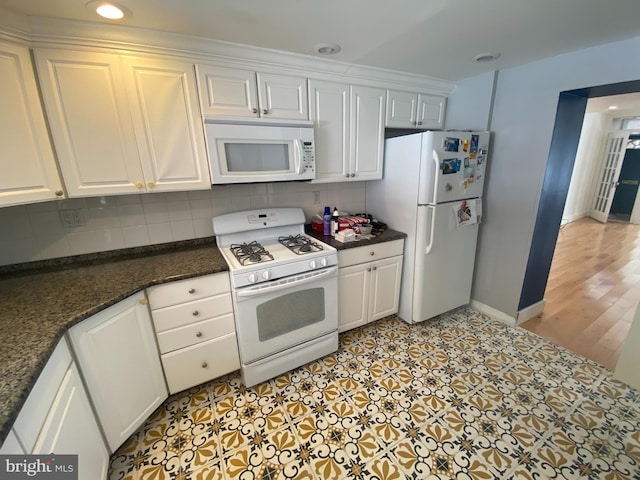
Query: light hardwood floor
(593, 289)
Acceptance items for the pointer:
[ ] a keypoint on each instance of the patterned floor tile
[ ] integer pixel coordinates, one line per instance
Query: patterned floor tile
(461, 396)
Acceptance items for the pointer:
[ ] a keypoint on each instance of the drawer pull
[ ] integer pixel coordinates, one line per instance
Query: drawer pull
(193, 290)
(195, 313)
(198, 334)
(204, 365)
(372, 253)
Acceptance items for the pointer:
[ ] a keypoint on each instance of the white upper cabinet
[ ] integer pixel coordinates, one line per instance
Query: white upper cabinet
(123, 125)
(167, 122)
(231, 92)
(348, 130)
(414, 110)
(29, 171)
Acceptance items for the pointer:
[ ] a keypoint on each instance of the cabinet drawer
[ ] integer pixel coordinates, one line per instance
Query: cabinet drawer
(161, 296)
(190, 312)
(203, 362)
(369, 253)
(198, 332)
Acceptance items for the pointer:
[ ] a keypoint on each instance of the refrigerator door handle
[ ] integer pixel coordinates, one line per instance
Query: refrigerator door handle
(430, 223)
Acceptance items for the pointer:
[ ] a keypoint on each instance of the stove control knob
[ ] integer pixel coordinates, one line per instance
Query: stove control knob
(253, 278)
(312, 264)
(324, 262)
(266, 275)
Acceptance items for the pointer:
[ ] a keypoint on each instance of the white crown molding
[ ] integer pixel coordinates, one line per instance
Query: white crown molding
(60, 33)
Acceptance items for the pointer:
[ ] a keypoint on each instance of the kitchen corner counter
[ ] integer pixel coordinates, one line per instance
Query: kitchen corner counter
(386, 236)
(39, 305)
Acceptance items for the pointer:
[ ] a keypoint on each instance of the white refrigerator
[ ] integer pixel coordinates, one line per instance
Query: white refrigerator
(431, 190)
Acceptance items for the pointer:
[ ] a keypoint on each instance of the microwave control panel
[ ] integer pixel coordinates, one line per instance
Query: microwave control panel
(308, 157)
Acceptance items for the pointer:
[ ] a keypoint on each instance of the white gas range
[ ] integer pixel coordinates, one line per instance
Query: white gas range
(284, 288)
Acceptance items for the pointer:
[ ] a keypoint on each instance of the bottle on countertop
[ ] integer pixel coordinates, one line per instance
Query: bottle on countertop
(327, 220)
(335, 222)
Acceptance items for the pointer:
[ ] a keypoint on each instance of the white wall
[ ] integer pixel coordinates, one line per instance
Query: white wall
(35, 232)
(524, 112)
(588, 158)
(469, 103)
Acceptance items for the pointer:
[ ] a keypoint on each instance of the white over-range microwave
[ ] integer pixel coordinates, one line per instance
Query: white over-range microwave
(249, 153)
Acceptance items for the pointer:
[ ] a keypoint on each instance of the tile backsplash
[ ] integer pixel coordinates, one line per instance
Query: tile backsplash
(37, 231)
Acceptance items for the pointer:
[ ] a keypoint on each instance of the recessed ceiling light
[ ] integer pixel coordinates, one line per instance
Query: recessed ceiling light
(327, 48)
(486, 57)
(109, 10)
(613, 107)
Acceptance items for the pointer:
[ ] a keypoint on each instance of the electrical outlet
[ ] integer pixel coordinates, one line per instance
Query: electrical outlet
(72, 218)
(316, 198)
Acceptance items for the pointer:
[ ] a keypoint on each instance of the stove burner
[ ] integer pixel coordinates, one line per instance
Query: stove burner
(300, 244)
(249, 253)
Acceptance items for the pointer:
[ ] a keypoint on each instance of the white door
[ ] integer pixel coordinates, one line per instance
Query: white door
(401, 109)
(353, 296)
(385, 287)
(430, 111)
(367, 132)
(120, 363)
(227, 91)
(90, 121)
(609, 172)
(444, 263)
(329, 111)
(71, 428)
(283, 97)
(29, 172)
(167, 123)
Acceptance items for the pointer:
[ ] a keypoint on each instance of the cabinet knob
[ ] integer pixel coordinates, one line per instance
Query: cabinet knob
(195, 313)
(150, 184)
(139, 185)
(59, 193)
(255, 110)
(205, 364)
(265, 111)
(419, 123)
(372, 253)
(375, 268)
(192, 291)
(353, 174)
(198, 334)
(347, 175)
(369, 269)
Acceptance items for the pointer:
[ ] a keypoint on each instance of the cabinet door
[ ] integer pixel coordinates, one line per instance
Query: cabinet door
(71, 428)
(11, 445)
(90, 122)
(227, 91)
(119, 360)
(401, 109)
(283, 97)
(431, 111)
(385, 287)
(167, 124)
(29, 171)
(329, 110)
(353, 296)
(367, 132)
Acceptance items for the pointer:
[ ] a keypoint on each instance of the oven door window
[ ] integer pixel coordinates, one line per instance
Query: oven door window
(243, 158)
(290, 312)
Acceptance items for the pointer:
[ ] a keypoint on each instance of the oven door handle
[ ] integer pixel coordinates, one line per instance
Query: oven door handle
(287, 283)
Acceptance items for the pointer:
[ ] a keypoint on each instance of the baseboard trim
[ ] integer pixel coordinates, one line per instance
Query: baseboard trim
(497, 314)
(530, 312)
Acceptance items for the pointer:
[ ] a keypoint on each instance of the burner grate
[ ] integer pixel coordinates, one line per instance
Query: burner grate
(299, 244)
(250, 253)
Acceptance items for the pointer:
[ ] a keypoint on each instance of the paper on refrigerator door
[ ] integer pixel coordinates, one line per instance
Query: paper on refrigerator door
(467, 212)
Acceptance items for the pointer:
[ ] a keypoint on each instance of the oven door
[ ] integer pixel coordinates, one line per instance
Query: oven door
(278, 315)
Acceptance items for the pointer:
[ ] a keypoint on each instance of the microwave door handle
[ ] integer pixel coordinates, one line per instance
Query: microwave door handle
(297, 155)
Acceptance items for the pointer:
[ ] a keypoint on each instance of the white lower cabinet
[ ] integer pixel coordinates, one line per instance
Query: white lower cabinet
(57, 418)
(118, 358)
(368, 283)
(195, 328)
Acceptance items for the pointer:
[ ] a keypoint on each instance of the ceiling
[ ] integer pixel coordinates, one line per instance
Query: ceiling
(438, 38)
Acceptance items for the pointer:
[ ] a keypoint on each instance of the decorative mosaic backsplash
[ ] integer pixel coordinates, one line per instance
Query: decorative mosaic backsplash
(459, 397)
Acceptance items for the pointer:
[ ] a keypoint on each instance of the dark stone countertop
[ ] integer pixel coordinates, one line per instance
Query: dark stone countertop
(40, 301)
(386, 236)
